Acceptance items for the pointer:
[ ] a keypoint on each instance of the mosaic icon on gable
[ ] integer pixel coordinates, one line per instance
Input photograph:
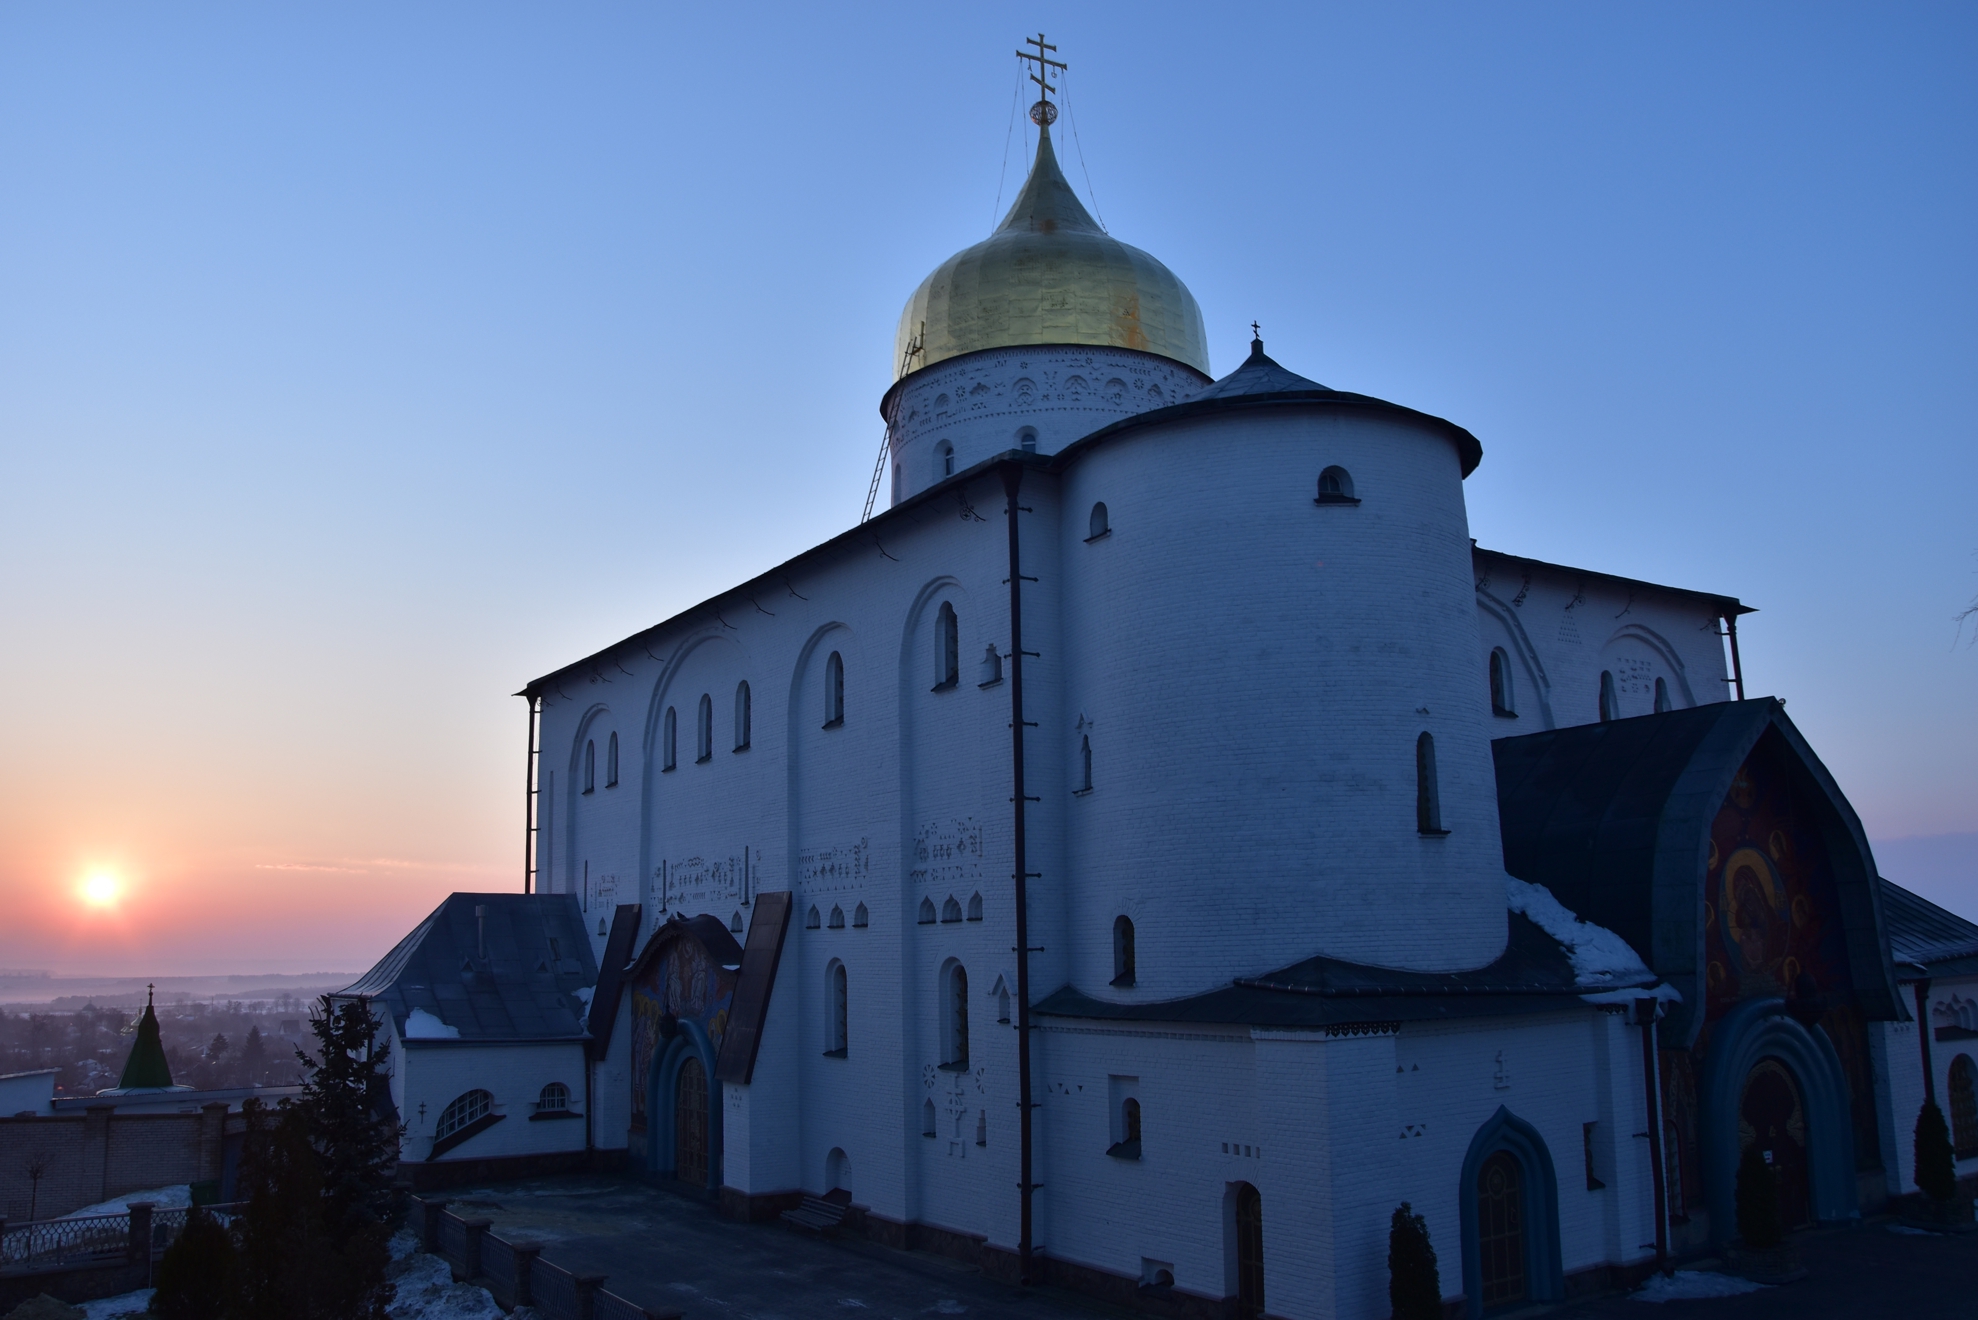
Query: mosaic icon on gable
(1755, 914)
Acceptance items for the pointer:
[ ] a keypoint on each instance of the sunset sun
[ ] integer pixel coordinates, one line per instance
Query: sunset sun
(101, 891)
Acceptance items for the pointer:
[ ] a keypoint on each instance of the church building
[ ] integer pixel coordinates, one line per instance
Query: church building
(1160, 842)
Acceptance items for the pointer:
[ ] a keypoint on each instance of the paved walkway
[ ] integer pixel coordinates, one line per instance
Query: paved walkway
(662, 1249)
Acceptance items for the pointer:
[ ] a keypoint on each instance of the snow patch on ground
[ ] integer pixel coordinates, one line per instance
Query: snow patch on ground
(426, 1290)
(165, 1198)
(1600, 957)
(421, 1025)
(1687, 1285)
(113, 1308)
(1907, 1231)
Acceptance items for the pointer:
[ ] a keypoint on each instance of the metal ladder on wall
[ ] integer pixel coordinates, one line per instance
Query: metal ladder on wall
(911, 352)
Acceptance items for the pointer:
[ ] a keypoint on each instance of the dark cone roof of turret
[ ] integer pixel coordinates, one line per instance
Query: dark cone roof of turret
(146, 1067)
(1258, 375)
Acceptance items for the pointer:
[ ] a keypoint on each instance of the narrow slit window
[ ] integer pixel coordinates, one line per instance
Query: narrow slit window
(1123, 952)
(947, 648)
(704, 730)
(1026, 440)
(860, 917)
(944, 460)
(669, 740)
(951, 910)
(975, 907)
(838, 1035)
(1610, 701)
(590, 767)
(837, 921)
(926, 917)
(927, 1118)
(813, 920)
(611, 762)
(991, 670)
(834, 691)
(1661, 695)
(1084, 764)
(956, 1035)
(1428, 793)
(1500, 685)
(744, 716)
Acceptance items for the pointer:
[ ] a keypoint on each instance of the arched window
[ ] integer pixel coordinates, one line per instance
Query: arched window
(1247, 1250)
(1084, 764)
(813, 920)
(1123, 955)
(1661, 695)
(1026, 440)
(991, 671)
(590, 767)
(975, 907)
(735, 922)
(954, 1024)
(927, 917)
(834, 691)
(860, 917)
(611, 762)
(1500, 685)
(669, 740)
(837, 921)
(1964, 1106)
(1335, 487)
(1002, 1003)
(944, 460)
(1610, 701)
(469, 1108)
(704, 731)
(555, 1099)
(947, 648)
(744, 718)
(927, 1118)
(951, 910)
(836, 1034)
(1101, 523)
(1428, 793)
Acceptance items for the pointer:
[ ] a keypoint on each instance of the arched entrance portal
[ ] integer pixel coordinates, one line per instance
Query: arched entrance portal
(690, 1123)
(1772, 1116)
(1501, 1228)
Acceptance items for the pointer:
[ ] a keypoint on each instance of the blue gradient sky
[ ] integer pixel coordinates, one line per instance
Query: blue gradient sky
(359, 363)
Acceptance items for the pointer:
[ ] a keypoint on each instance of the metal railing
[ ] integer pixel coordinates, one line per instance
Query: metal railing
(81, 1242)
(516, 1273)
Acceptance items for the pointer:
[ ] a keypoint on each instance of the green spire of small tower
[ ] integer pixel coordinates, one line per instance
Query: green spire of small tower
(146, 1066)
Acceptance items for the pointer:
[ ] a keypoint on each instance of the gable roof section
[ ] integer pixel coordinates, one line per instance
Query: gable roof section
(1928, 939)
(611, 975)
(1615, 820)
(521, 986)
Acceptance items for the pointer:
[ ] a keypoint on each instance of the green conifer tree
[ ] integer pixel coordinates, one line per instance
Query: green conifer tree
(1759, 1222)
(347, 1097)
(1936, 1165)
(192, 1276)
(1414, 1288)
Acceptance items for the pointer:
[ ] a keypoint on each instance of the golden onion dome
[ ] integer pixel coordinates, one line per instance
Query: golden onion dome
(1049, 275)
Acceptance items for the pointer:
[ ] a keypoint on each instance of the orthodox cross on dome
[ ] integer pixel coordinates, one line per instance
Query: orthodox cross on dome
(1043, 114)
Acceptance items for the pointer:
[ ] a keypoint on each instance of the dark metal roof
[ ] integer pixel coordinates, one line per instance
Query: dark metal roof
(1926, 936)
(523, 986)
(1615, 820)
(1728, 604)
(1533, 975)
(1262, 383)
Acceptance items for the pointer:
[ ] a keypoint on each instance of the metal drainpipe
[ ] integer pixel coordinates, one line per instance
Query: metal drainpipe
(1737, 665)
(529, 798)
(1923, 1036)
(1012, 479)
(1645, 1012)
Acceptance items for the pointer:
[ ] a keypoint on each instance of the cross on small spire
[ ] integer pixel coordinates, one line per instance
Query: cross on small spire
(1256, 331)
(1043, 113)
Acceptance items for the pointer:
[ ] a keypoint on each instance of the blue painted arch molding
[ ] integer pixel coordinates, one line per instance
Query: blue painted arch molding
(689, 1042)
(1762, 1029)
(1545, 1278)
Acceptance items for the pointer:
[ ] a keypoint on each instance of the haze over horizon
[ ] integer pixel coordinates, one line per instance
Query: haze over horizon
(358, 366)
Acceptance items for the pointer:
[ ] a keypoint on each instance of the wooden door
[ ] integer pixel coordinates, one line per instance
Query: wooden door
(1501, 1228)
(1249, 1252)
(1772, 1117)
(690, 1123)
